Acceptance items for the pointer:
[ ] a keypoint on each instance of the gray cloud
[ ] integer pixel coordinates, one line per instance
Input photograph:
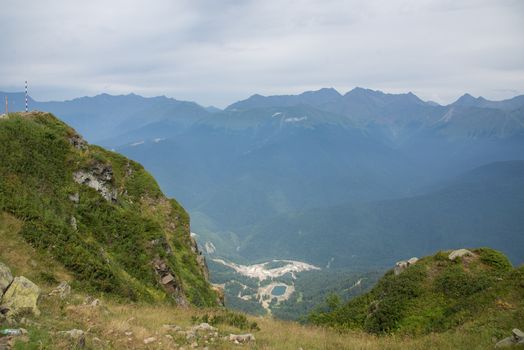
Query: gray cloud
(216, 52)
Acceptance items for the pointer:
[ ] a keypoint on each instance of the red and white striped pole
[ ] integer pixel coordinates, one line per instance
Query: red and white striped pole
(26, 107)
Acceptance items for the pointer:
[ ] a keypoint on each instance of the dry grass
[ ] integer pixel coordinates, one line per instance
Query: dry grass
(125, 326)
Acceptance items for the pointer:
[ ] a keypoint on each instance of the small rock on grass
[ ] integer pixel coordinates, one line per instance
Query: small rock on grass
(517, 337)
(205, 327)
(459, 253)
(63, 290)
(241, 338)
(149, 340)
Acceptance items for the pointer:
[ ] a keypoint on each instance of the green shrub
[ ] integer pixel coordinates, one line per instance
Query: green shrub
(227, 317)
(456, 283)
(48, 277)
(494, 259)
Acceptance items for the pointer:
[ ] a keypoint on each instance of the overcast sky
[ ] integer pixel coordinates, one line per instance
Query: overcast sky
(217, 52)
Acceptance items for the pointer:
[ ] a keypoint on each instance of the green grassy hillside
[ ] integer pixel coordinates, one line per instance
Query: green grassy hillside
(97, 214)
(114, 324)
(436, 294)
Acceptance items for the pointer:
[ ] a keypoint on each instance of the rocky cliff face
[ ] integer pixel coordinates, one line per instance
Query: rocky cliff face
(98, 213)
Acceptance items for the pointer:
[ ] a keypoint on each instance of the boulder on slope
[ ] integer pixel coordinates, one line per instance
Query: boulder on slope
(21, 296)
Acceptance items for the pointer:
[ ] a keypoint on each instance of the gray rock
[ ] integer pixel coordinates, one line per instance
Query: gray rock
(505, 342)
(516, 338)
(241, 338)
(5, 278)
(89, 300)
(459, 253)
(75, 198)
(73, 333)
(21, 296)
(518, 335)
(149, 340)
(203, 327)
(412, 261)
(73, 223)
(78, 142)
(63, 290)
(98, 177)
(402, 265)
(167, 279)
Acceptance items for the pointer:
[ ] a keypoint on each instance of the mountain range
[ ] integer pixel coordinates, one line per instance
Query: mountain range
(324, 175)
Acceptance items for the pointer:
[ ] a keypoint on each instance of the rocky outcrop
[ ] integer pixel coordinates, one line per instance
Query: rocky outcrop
(402, 265)
(21, 296)
(78, 142)
(201, 260)
(517, 337)
(459, 253)
(5, 278)
(99, 177)
(219, 290)
(168, 281)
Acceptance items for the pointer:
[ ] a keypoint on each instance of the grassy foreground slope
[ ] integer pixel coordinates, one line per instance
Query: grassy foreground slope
(480, 292)
(98, 216)
(115, 324)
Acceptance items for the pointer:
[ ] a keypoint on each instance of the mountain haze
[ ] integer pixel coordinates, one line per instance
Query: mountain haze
(279, 159)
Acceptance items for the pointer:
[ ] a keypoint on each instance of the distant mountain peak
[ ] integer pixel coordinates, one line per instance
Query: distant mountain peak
(467, 100)
(362, 91)
(213, 109)
(324, 92)
(432, 103)
(312, 98)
